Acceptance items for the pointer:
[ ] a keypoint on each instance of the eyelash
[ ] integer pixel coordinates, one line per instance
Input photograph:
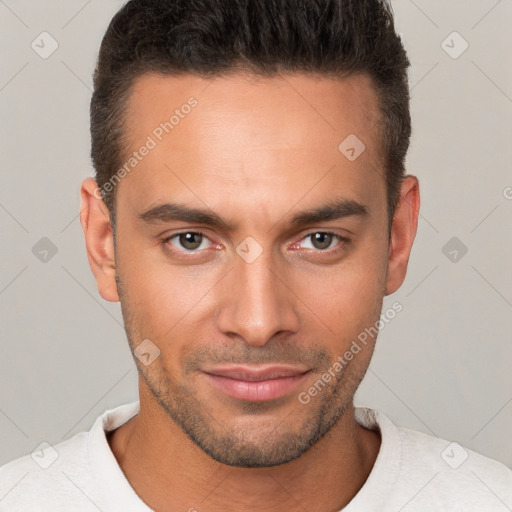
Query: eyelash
(342, 241)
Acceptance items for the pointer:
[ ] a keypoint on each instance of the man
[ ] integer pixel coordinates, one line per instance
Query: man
(250, 212)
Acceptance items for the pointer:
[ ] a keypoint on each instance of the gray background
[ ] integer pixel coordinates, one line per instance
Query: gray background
(442, 366)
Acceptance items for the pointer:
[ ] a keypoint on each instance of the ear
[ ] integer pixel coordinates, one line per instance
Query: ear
(99, 239)
(403, 232)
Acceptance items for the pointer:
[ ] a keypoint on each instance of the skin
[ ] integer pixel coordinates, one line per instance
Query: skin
(255, 151)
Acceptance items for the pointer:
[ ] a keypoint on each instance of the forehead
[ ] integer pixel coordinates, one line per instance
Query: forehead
(281, 133)
(327, 104)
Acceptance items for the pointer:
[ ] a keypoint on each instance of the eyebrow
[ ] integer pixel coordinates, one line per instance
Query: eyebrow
(169, 212)
(333, 210)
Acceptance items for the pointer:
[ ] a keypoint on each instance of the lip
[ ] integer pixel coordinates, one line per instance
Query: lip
(256, 384)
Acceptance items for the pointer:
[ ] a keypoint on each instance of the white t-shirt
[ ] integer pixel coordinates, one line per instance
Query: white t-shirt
(413, 472)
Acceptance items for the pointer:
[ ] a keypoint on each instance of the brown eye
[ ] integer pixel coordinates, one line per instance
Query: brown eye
(321, 240)
(188, 241)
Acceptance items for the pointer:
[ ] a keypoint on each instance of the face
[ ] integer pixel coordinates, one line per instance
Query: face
(251, 252)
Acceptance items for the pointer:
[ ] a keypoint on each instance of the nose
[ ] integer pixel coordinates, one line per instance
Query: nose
(257, 303)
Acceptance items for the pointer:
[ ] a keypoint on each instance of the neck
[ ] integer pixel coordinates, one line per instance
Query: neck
(169, 472)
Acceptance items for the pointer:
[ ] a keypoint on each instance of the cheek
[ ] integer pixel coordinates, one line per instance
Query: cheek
(154, 280)
(347, 298)
(167, 300)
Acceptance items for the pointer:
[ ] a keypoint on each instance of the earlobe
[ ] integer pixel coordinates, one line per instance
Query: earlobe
(99, 240)
(403, 232)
